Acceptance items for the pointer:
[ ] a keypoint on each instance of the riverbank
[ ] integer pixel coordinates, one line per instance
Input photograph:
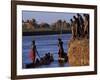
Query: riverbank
(78, 52)
(45, 33)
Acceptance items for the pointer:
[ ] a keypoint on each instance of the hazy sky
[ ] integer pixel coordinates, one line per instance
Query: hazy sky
(48, 17)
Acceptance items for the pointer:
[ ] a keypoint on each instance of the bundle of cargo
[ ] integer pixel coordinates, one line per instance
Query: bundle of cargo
(45, 60)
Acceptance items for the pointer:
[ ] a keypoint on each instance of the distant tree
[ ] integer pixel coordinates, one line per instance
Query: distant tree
(59, 24)
(44, 25)
(24, 27)
(64, 24)
(64, 21)
(68, 26)
(53, 26)
(34, 23)
(22, 21)
(27, 21)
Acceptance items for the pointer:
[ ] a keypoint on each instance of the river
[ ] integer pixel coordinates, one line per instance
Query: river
(44, 44)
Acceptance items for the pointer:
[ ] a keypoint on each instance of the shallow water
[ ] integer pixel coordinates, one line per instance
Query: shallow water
(44, 44)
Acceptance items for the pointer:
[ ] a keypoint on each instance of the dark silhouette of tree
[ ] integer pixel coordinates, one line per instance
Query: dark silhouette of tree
(27, 21)
(34, 23)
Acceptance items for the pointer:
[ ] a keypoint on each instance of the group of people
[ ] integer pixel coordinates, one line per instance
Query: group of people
(80, 26)
(48, 57)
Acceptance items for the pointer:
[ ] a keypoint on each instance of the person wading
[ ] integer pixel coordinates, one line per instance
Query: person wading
(61, 50)
(33, 52)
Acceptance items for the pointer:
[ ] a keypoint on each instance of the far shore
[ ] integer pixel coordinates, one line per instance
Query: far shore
(45, 33)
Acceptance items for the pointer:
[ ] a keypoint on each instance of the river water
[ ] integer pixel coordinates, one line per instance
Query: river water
(44, 44)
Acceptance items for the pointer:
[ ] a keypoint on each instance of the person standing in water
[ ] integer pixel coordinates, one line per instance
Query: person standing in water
(61, 50)
(33, 52)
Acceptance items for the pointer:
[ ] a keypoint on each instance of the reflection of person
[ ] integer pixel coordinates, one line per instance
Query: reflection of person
(61, 50)
(33, 52)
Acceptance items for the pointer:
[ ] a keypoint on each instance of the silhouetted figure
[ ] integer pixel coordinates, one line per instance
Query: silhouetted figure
(86, 25)
(78, 26)
(81, 22)
(73, 29)
(61, 50)
(33, 52)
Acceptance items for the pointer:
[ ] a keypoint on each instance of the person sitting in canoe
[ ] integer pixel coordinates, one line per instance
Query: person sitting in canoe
(33, 52)
(61, 50)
